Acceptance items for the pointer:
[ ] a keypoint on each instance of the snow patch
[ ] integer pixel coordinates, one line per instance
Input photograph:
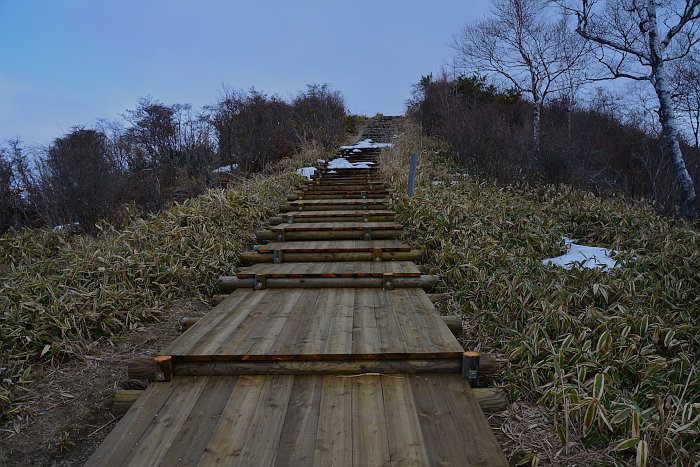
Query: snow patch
(342, 163)
(306, 172)
(440, 182)
(225, 169)
(321, 161)
(65, 226)
(591, 257)
(367, 143)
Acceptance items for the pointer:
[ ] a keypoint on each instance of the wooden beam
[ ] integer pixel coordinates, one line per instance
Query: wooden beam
(188, 322)
(229, 283)
(256, 257)
(438, 297)
(491, 400)
(123, 400)
(454, 323)
(216, 299)
(141, 368)
(265, 235)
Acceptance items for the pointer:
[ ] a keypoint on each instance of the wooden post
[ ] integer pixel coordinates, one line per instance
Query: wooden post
(141, 368)
(164, 367)
(470, 368)
(388, 281)
(412, 174)
(260, 282)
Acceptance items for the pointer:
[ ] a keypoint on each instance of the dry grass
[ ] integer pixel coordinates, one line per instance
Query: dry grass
(60, 292)
(612, 356)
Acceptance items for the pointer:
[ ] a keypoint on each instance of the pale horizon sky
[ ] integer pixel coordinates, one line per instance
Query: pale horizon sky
(71, 62)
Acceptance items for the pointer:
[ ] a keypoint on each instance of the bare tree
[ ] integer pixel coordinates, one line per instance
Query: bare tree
(637, 39)
(526, 43)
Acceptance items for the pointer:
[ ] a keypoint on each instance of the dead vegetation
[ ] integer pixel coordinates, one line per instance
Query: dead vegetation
(608, 359)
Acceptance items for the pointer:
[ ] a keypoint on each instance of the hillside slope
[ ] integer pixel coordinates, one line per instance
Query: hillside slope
(611, 352)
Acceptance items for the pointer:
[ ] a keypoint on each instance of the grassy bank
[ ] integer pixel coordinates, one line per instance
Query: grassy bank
(614, 353)
(60, 292)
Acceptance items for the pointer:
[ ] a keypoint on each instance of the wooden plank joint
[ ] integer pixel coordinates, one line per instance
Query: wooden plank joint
(277, 256)
(470, 368)
(260, 282)
(164, 367)
(388, 281)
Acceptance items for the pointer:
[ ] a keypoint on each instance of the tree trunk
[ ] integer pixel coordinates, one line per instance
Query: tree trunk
(667, 116)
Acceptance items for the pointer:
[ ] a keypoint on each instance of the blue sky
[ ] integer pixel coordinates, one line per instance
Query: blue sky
(70, 62)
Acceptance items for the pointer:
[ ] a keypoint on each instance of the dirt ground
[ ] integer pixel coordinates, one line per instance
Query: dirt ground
(70, 403)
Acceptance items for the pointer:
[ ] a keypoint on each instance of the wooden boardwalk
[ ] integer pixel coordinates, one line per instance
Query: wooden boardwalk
(326, 352)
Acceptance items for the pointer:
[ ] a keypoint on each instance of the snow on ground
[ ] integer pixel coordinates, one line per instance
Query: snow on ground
(441, 182)
(225, 169)
(342, 163)
(591, 257)
(65, 226)
(367, 143)
(306, 172)
(321, 161)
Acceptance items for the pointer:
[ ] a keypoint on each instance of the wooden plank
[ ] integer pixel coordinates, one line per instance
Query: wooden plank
(315, 337)
(224, 331)
(229, 436)
(264, 336)
(406, 444)
(365, 335)
(413, 334)
(193, 437)
(158, 438)
(391, 337)
(298, 438)
(370, 441)
(442, 442)
(301, 317)
(266, 426)
(210, 321)
(425, 314)
(125, 435)
(334, 444)
(340, 335)
(479, 444)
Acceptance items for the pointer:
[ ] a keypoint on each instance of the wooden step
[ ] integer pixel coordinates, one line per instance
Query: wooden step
(316, 226)
(318, 325)
(340, 216)
(394, 419)
(337, 204)
(358, 269)
(342, 194)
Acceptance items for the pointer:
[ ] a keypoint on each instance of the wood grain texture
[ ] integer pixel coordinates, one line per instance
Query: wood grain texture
(359, 420)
